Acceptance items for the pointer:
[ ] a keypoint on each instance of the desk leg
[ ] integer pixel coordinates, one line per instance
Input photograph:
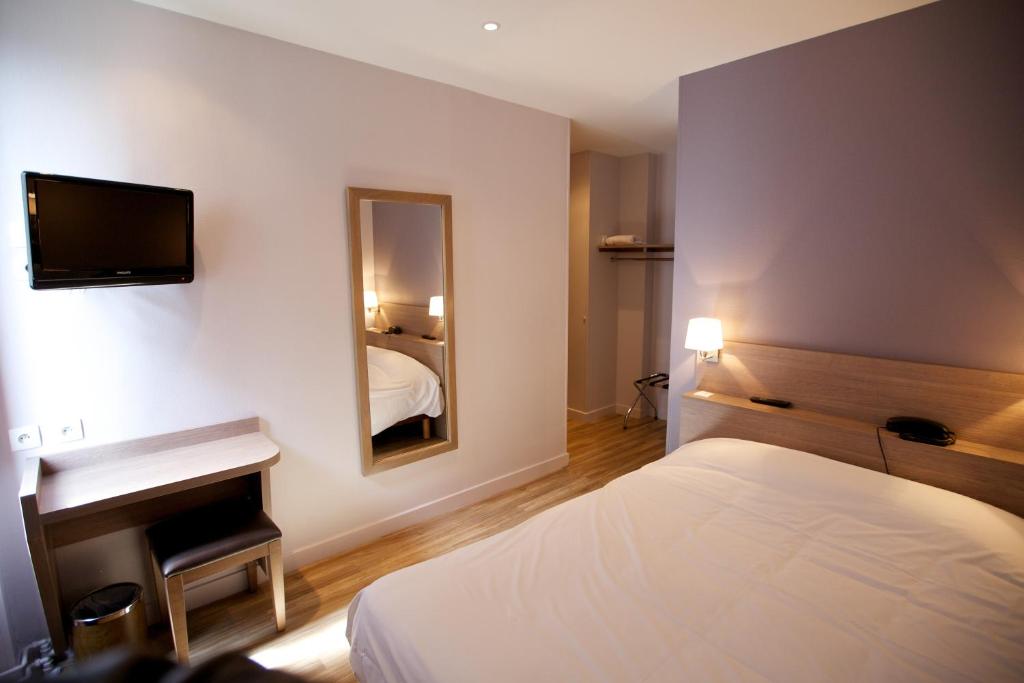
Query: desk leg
(55, 588)
(265, 490)
(264, 484)
(45, 568)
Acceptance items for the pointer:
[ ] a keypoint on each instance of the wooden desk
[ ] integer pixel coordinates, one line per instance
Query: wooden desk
(77, 495)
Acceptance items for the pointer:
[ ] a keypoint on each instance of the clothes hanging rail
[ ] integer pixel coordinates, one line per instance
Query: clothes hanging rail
(640, 252)
(642, 258)
(639, 248)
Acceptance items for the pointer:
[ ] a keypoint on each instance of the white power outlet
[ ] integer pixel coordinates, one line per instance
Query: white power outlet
(71, 430)
(25, 438)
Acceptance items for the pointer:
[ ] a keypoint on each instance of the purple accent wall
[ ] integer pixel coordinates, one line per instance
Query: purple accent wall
(407, 252)
(860, 192)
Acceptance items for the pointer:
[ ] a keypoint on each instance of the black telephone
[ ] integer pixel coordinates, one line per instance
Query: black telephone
(922, 430)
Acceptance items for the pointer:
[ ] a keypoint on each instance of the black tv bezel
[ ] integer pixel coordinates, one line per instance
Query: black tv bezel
(40, 279)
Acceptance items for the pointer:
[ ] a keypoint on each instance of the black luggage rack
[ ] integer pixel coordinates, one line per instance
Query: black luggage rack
(657, 379)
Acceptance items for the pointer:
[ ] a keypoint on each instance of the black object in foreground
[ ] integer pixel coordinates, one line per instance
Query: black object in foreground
(777, 402)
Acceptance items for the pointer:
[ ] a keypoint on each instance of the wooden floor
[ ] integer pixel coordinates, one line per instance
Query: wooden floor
(401, 437)
(318, 596)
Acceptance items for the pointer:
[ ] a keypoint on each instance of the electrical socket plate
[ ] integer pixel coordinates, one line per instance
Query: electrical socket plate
(70, 430)
(25, 438)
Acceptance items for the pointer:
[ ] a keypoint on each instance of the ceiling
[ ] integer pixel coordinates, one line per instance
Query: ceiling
(609, 65)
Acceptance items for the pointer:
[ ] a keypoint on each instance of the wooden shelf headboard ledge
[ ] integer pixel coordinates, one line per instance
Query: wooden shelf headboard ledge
(841, 403)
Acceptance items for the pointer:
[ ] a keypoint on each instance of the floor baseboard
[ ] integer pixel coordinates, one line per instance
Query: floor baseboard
(590, 415)
(354, 538)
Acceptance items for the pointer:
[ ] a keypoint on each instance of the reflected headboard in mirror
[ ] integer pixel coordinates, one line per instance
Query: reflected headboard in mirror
(401, 252)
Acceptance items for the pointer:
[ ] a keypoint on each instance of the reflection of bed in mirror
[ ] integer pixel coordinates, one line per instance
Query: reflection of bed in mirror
(406, 391)
(403, 310)
(402, 389)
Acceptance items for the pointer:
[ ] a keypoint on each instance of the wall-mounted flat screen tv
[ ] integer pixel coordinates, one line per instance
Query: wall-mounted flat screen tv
(98, 233)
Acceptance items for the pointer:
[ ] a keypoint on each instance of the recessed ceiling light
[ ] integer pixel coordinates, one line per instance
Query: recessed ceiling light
(491, 26)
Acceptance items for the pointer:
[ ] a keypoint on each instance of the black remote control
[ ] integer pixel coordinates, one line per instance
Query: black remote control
(777, 402)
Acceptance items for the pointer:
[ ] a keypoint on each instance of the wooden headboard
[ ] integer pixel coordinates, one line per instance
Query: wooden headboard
(841, 403)
(414, 320)
(427, 351)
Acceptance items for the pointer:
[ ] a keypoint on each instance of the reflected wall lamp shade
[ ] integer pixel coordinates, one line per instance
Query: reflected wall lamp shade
(436, 307)
(704, 335)
(370, 301)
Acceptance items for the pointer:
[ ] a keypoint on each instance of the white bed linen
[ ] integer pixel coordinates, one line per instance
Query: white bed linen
(727, 560)
(400, 387)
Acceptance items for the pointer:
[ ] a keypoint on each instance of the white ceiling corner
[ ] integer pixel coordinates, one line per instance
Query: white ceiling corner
(610, 66)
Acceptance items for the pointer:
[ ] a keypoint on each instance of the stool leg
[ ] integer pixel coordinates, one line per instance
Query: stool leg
(277, 580)
(176, 606)
(158, 582)
(252, 576)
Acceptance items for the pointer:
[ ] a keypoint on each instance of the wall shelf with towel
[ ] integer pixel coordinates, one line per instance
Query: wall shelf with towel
(642, 248)
(640, 252)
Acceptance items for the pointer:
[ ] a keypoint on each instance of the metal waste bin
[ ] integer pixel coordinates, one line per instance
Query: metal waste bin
(108, 617)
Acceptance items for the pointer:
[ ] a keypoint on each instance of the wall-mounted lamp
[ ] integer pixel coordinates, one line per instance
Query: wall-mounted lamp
(436, 309)
(370, 301)
(704, 335)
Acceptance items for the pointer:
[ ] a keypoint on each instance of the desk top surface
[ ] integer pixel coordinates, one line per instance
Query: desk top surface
(74, 492)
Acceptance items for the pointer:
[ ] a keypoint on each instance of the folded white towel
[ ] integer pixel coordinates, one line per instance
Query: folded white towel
(621, 240)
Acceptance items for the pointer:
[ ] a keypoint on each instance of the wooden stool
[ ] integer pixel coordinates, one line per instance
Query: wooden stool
(207, 541)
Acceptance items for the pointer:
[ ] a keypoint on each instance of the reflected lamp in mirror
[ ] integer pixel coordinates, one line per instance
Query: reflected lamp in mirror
(704, 335)
(400, 247)
(370, 301)
(436, 309)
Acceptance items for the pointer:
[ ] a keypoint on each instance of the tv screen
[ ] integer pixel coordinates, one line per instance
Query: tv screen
(98, 233)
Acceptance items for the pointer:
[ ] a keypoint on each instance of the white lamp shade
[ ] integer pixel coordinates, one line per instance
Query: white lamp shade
(370, 298)
(436, 306)
(704, 334)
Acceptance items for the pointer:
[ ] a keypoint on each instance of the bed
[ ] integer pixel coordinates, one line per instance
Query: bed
(727, 560)
(401, 388)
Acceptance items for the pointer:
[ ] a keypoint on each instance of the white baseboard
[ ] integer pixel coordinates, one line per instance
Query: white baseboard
(590, 415)
(359, 536)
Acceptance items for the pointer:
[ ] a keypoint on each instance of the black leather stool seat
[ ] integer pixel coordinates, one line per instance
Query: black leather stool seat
(207, 534)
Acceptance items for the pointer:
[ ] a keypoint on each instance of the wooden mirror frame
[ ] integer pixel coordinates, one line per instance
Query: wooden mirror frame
(370, 463)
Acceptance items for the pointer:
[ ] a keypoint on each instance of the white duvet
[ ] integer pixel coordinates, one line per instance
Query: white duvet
(400, 387)
(725, 561)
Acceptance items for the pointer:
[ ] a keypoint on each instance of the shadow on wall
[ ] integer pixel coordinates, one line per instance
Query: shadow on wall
(22, 613)
(84, 345)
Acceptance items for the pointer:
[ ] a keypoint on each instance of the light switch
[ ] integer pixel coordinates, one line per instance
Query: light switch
(25, 438)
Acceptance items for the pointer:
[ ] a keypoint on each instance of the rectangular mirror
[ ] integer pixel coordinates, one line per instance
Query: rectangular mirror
(403, 314)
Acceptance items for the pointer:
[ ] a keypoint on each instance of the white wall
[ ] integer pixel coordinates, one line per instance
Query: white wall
(269, 135)
(579, 281)
(602, 287)
(662, 272)
(7, 657)
(21, 617)
(634, 280)
(407, 252)
(626, 305)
